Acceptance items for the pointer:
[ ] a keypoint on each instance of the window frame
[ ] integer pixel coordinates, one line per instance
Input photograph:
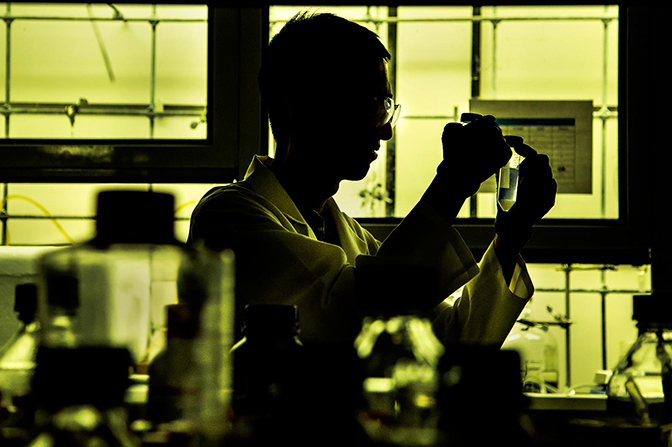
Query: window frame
(626, 240)
(235, 37)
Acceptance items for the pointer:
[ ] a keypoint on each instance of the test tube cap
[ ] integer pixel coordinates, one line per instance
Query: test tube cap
(134, 216)
(653, 308)
(468, 117)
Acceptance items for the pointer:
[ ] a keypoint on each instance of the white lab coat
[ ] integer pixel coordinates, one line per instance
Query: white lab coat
(280, 260)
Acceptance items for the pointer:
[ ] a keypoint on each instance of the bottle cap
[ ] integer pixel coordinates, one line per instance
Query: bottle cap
(25, 302)
(655, 308)
(129, 216)
(271, 318)
(468, 117)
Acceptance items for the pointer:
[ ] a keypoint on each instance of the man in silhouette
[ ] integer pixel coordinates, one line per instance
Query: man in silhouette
(325, 85)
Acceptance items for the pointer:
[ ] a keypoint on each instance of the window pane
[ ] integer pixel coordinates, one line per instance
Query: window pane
(146, 62)
(526, 53)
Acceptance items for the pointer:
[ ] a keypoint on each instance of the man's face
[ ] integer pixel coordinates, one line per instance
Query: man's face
(341, 138)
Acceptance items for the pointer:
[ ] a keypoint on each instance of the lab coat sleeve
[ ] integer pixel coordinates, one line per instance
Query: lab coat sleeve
(426, 238)
(488, 307)
(275, 263)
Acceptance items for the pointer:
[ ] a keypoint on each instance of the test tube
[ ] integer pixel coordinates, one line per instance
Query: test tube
(507, 186)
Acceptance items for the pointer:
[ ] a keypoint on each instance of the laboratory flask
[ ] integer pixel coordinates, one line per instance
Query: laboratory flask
(641, 384)
(400, 354)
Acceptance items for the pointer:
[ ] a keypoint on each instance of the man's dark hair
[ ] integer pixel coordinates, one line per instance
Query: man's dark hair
(311, 51)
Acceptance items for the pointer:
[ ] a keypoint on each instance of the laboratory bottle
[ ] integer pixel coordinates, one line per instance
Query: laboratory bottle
(79, 397)
(641, 383)
(17, 364)
(112, 292)
(123, 278)
(172, 383)
(538, 351)
(400, 354)
(265, 361)
(17, 356)
(480, 396)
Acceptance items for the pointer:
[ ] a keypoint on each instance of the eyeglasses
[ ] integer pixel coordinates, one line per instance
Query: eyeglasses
(386, 112)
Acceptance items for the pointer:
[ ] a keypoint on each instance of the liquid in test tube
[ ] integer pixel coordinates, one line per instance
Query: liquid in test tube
(507, 188)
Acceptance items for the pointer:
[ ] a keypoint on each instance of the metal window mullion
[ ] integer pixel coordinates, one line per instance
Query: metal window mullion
(494, 53)
(604, 115)
(152, 80)
(568, 362)
(8, 40)
(5, 189)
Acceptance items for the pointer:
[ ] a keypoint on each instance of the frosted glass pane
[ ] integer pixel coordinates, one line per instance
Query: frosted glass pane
(535, 53)
(101, 58)
(181, 63)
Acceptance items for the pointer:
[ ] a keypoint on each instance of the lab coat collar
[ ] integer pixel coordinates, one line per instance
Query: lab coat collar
(262, 180)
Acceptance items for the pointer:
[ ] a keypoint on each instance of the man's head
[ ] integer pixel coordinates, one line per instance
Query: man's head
(322, 80)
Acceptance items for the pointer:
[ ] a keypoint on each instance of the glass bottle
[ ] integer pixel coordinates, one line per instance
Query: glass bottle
(79, 395)
(400, 355)
(110, 293)
(538, 351)
(643, 377)
(172, 385)
(265, 361)
(17, 356)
